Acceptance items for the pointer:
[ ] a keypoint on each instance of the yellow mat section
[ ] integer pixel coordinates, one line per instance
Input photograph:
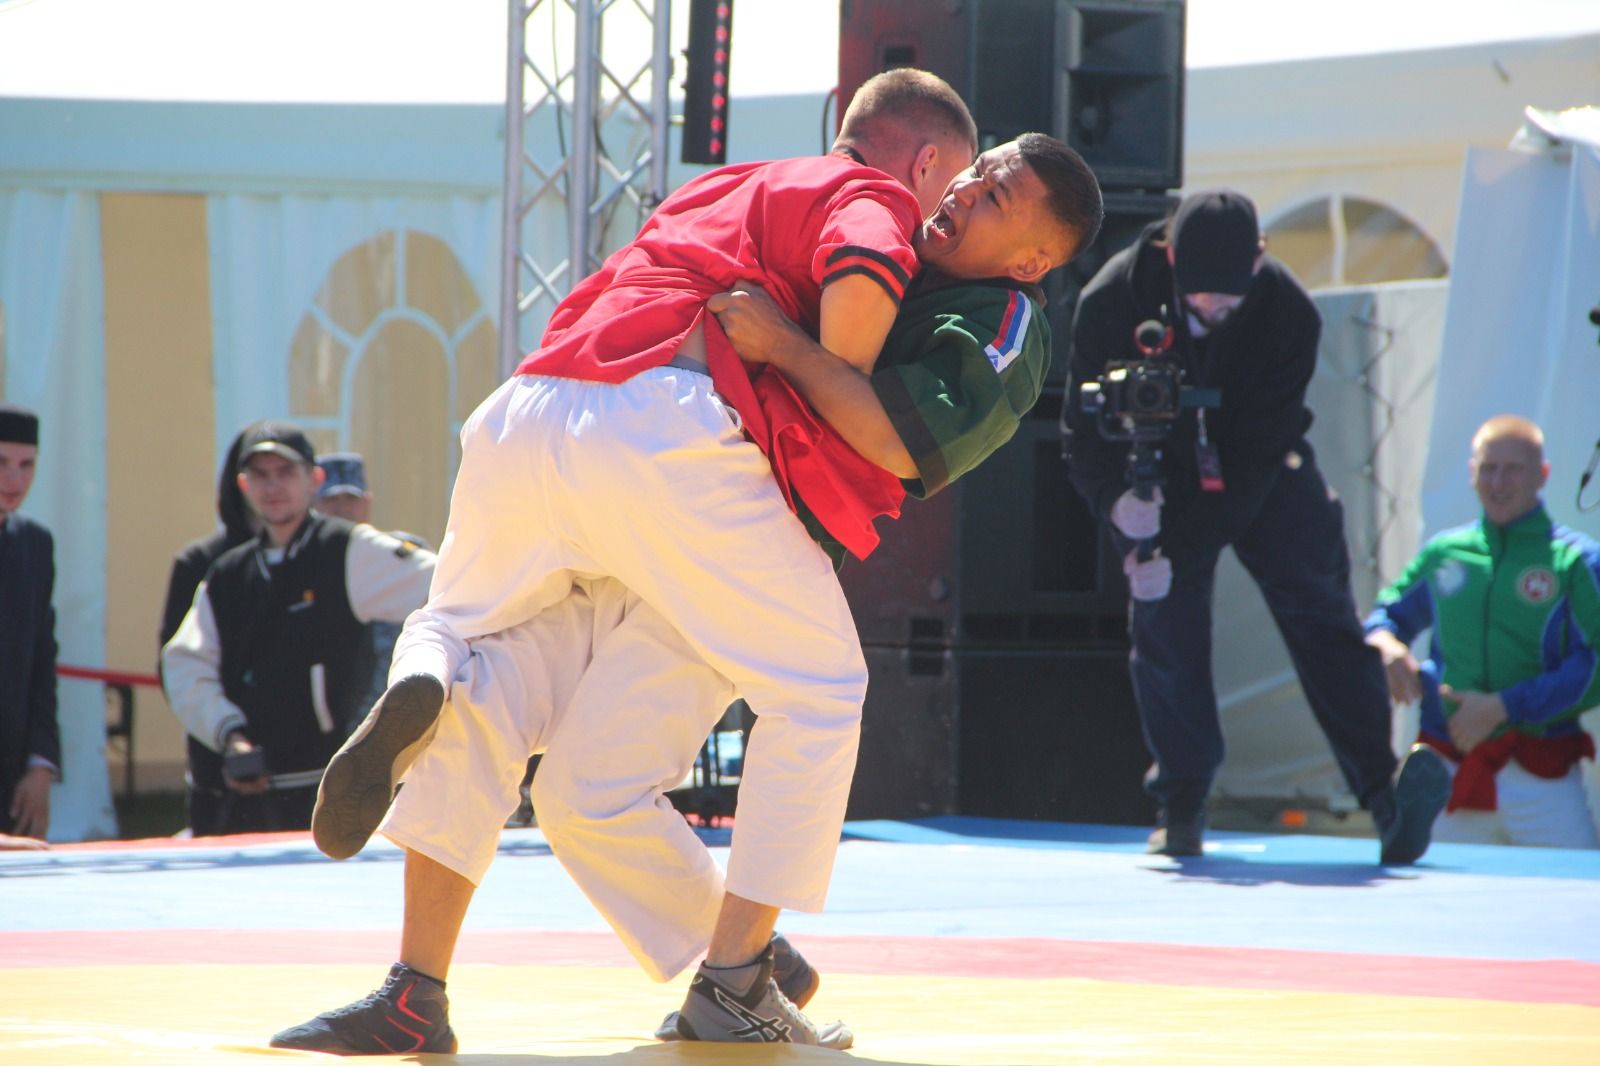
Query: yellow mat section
(542, 1016)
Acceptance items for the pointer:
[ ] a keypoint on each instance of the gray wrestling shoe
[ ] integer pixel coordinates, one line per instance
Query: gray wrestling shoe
(744, 1004)
(361, 777)
(795, 977)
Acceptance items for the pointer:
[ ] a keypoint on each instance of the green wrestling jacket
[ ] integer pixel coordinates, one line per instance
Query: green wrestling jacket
(1514, 610)
(962, 365)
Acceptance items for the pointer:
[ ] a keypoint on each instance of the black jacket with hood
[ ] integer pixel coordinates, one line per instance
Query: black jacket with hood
(1262, 359)
(190, 564)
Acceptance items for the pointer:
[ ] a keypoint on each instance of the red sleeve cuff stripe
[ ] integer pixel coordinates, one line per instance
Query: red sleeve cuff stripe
(855, 251)
(895, 294)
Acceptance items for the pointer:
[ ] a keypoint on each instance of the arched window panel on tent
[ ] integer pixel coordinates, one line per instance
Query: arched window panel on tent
(391, 357)
(1349, 240)
(1382, 245)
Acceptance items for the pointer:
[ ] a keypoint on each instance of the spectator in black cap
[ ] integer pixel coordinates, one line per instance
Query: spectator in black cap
(30, 738)
(274, 655)
(1239, 474)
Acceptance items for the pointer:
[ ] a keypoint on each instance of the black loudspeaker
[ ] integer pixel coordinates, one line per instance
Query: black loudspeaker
(1001, 733)
(998, 54)
(1127, 214)
(1034, 565)
(1119, 89)
(905, 592)
(1009, 554)
(1051, 734)
(1009, 82)
(907, 764)
(1106, 76)
(880, 35)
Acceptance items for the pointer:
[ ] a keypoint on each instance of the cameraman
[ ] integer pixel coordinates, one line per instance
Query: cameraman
(1240, 474)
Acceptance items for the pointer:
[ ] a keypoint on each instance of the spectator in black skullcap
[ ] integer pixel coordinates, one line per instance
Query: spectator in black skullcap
(1239, 474)
(345, 494)
(30, 739)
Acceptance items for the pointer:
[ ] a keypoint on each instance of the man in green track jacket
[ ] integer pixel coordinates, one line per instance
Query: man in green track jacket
(1513, 601)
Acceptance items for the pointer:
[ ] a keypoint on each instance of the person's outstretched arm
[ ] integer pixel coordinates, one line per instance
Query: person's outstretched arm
(828, 375)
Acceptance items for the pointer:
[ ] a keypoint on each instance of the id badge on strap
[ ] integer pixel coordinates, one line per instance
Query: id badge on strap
(1207, 459)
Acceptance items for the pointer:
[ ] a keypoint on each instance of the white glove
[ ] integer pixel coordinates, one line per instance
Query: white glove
(1137, 519)
(1149, 580)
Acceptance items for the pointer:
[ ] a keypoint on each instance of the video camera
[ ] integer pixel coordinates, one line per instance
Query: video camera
(1138, 400)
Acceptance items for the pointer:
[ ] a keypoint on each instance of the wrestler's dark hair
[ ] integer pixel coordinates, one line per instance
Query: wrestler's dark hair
(1073, 193)
(913, 100)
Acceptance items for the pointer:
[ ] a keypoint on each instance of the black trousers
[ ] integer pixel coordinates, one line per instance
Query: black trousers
(218, 813)
(1295, 550)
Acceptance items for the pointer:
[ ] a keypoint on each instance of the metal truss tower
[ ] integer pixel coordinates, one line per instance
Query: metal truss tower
(563, 103)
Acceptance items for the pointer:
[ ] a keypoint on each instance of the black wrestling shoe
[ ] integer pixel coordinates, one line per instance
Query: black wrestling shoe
(1404, 815)
(361, 777)
(1178, 836)
(408, 1015)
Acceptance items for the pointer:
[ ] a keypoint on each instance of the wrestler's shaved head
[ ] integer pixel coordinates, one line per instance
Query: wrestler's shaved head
(1508, 467)
(900, 104)
(912, 126)
(1510, 427)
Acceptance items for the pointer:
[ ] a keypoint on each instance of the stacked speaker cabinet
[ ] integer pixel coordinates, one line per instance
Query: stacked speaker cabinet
(994, 615)
(1001, 731)
(1106, 76)
(993, 618)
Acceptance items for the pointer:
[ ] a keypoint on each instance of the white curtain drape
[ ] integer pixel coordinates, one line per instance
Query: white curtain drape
(54, 358)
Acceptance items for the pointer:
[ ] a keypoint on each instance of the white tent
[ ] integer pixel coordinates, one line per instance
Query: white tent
(215, 212)
(1517, 336)
(1406, 380)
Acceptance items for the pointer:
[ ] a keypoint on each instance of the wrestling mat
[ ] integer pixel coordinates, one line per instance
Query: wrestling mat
(950, 940)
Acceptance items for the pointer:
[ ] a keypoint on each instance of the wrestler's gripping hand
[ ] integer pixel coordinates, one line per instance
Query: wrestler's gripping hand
(755, 326)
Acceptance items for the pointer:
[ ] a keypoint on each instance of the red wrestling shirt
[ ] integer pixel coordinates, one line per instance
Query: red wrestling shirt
(791, 227)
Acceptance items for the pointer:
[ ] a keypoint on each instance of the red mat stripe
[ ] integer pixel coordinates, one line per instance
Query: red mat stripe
(1544, 981)
(228, 843)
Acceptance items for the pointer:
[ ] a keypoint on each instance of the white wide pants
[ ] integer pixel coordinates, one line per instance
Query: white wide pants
(714, 590)
(1530, 810)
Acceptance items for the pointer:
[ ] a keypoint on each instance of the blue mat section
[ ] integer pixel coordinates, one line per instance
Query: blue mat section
(942, 877)
(1240, 847)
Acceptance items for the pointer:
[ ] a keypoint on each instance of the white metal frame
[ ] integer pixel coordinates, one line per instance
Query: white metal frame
(576, 89)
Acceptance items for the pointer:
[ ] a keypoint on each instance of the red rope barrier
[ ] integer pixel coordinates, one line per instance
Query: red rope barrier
(110, 677)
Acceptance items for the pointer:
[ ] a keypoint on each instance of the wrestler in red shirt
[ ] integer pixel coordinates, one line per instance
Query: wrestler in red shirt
(820, 231)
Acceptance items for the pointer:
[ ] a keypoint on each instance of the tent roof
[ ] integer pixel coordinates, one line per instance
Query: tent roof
(1405, 102)
(384, 96)
(453, 51)
(234, 51)
(406, 94)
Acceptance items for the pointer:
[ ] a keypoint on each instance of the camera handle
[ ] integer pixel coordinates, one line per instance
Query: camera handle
(1144, 477)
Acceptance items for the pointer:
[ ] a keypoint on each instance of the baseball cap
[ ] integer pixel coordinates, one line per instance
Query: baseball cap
(346, 473)
(279, 438)
(18, 425)
(1215, 241)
